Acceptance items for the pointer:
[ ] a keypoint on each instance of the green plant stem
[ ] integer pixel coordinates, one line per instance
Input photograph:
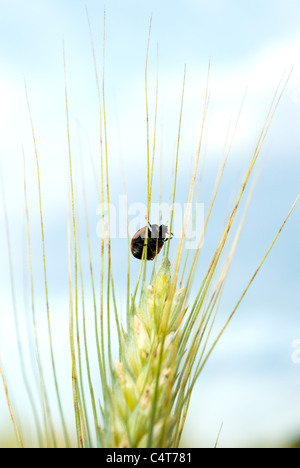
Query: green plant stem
(45, 279)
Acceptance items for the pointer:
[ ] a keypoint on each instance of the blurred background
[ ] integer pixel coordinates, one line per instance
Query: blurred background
(251, 383)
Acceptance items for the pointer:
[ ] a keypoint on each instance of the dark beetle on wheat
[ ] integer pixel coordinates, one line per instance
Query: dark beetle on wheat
(157, 236)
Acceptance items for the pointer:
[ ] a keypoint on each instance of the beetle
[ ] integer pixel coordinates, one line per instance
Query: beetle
(157, 236)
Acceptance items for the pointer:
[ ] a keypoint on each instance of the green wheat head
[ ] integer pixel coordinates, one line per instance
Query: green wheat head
(166, 339)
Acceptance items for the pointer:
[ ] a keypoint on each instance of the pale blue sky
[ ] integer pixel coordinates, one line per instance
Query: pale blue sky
(250, 45)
